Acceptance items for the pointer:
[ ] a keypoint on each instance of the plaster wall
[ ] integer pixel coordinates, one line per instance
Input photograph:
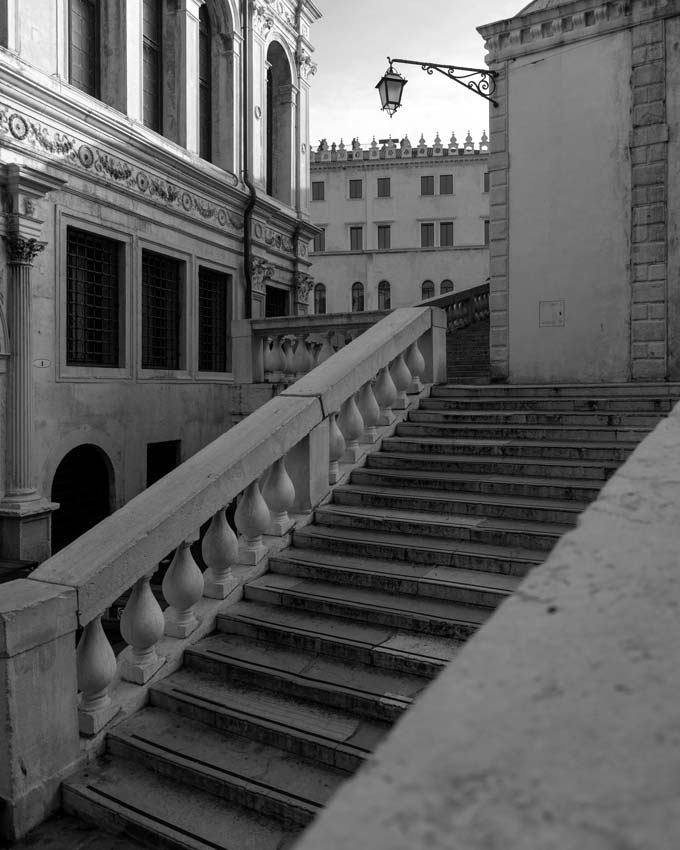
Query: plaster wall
(569, 211)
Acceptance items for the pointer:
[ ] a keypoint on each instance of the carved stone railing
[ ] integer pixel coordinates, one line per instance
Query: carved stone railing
(283, 349)
(282, 459)
(462, 308)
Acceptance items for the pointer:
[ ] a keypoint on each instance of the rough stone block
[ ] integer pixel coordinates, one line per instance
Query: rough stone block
(498, 336)
(648, 370)
(657, 153)
(498, 301)
(641, 272)
(656, 232)
(498, 196)
(656, 349)
(649, 252)
(649, 113)
(499, 230)
(655, 92)
(657, 271)
(653, 134)
(655, 52)
(638, 156)
(639, 311)
(647, 33)
(648, 175)
(640, 195)
(640, 233)
(639, 350)
(498, 177)
(639, 55)
(498, 266)
(648, 292)
(645, 75)
(649, 214)
(657, 311)
(648, 331)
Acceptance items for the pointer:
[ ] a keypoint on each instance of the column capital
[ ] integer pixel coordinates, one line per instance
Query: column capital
(20, 250)
(23, 187)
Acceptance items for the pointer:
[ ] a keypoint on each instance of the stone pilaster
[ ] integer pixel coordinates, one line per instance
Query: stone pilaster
(649, 166)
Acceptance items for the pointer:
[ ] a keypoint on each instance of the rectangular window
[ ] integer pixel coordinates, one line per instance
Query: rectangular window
(161, 293)
(487, 231)
(356, 238)
(320, 242)
(356, 188)
(384, 237)
(427, 235)
(486, 181)
(83, 54)
(151, 71)
(214, 301)
(384, 187)
(446, 234)
(446, 184)
(92, 299)
(162, 458)
(318, 190)
(427, 185)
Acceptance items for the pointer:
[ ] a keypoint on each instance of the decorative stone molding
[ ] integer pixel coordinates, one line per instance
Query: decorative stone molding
(261, 271)
(282, 11)
(302, 286)
(22, 251)
(306, 68)
(98, 163)
(262, 20)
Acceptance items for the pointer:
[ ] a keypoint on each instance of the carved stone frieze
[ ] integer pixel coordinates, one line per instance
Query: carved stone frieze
(262, 19)
(282, 11)
(302, 286)
(111, 169)
(274, 239)
(22, 251)
(261, 271)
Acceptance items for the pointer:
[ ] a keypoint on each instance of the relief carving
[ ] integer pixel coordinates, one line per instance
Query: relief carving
(261, 271)
(302, 286)
(21, 251)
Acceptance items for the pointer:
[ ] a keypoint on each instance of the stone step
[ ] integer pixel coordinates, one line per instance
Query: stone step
(604, 450)
(384, 503)
(352, 686)
(580, 490)
(614, 404)
(380, 646)
(324, 734)
(596, 471)
(463, 554)
(469, 587)
(421, 614)
(242, 771)
(536, 417)
(471, 380)
(631, 390)
(163, 813)
(550, 433)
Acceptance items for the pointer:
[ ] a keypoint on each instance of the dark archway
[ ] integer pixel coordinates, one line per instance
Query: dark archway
(82, 486)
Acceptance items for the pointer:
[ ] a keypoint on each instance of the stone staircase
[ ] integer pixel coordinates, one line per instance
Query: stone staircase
(244, 745)
(467, 354)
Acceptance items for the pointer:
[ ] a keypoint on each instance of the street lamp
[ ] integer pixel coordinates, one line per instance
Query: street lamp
(391, 85)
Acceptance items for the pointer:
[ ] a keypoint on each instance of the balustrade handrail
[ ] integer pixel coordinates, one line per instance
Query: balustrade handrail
(316, 323)
(450, 298)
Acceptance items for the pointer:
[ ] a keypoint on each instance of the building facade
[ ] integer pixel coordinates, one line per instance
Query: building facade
(587, 289)
(141, 214)
(399, 222)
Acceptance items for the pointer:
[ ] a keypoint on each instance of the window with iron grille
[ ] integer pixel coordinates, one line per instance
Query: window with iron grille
(384, 237)
(427, 185)
(92, 299)
(318, 190)
(487, 231)
(427, 235)
(161, 292)
(320, 241)
(384, 187)
(204, 84)
(446, 184)
(446, 234)
(152, 61)
(214, 349)
(319, 298)
(83, 47)
(384, 295)
(356, 189)
(356, 238)
(446, 286)
(427, 290)
(357, 297)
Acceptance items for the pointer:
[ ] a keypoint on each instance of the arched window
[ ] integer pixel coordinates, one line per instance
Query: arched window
(279, 124)
(82, 487)
(446, 286)
(319, 298)
(384, 298)
(204, 84)
(427, 290)
(357, 297)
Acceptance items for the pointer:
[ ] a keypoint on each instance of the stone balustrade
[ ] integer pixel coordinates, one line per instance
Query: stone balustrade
(279, 461)
(464, 307)
(283, 349)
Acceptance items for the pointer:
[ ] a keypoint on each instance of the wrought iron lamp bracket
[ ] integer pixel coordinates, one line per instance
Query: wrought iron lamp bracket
(481, 81)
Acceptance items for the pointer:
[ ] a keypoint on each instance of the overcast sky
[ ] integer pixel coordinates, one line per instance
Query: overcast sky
(352, 41)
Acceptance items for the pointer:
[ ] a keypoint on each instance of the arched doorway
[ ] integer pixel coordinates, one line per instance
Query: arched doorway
(82, 486)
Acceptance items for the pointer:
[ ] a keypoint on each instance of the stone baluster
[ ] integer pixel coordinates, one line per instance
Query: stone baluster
(182, 588)
(252, 520)
(219, 549)
(288, 364)
(336, 448)
(269, 359)
(385, 395)
(352, 426)
(279, 494)
(415, 363)
(141, 625)
(326, 350)
(280, 359)
(370, 412)
(302, 361)
(402, 381)
(96, 667)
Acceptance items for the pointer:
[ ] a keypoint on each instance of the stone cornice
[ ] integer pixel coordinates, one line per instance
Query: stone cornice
(568, 23)
(457, 161)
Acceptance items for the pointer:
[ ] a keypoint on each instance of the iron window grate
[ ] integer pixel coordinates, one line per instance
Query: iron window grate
(213, 327)
(92, 299)
(160, 311)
